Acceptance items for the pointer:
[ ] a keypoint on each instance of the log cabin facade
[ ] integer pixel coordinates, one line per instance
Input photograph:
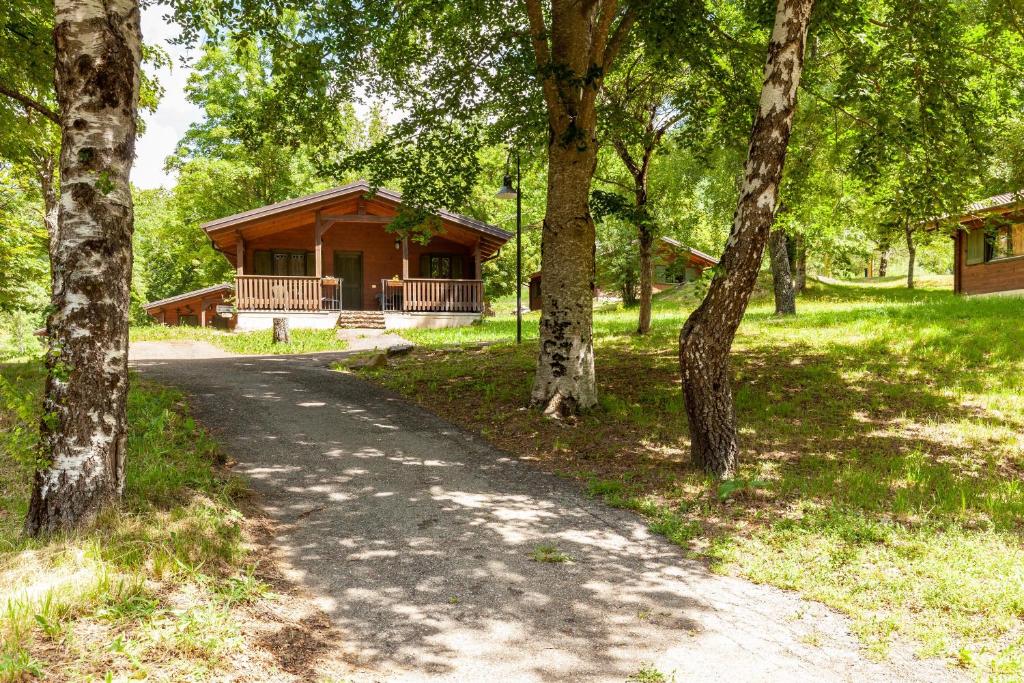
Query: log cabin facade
(316, 257)
(988, 247)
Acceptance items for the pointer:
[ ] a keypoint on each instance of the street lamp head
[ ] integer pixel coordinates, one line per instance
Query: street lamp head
(507, 191)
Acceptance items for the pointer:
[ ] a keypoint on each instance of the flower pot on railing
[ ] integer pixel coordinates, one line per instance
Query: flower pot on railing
(330, 281)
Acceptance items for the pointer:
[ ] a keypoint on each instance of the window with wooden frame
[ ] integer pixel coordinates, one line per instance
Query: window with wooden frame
(441, 266)
(1007, 241)
(285, 262)
(188, 320)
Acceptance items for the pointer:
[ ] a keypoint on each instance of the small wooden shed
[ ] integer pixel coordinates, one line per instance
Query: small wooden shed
(197, 308)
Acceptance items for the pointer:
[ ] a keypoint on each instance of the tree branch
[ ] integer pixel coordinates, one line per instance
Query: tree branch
(611, 50)
(625, 156)
(30, 103)
(542, 53)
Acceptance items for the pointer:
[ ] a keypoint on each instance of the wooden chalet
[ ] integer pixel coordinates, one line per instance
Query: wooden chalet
(675, 264)
(988, 247)
(317, 258)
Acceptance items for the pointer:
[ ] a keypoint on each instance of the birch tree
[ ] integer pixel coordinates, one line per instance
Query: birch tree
(706, 338)
(83, 433)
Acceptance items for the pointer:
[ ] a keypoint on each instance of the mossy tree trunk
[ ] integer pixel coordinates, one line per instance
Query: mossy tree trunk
(83, 431)
(706, 338)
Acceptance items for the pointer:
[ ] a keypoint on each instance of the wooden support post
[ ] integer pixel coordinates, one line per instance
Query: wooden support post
(318, 242)
(477, 263)
(239, 254)
(202, 315)
(405, 258)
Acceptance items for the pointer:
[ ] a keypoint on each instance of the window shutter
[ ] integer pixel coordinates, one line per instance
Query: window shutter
(975, 247)
(261, 263)
(310, 263)
(424, 265)
(456, 267)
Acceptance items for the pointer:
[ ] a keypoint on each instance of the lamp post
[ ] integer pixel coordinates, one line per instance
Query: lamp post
(509, 192)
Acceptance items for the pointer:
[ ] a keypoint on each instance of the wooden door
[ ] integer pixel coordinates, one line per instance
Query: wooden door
(348, 266)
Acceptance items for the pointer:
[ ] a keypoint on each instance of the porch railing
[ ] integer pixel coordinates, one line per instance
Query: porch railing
(428, 295)
(286, 293)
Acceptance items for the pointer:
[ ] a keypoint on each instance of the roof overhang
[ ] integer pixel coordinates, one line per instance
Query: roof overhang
(356, 202)
(1000, 204)
(696, 253)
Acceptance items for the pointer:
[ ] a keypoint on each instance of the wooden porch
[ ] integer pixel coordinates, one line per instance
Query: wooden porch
(312, 294)
(431, 295)
(286, 293)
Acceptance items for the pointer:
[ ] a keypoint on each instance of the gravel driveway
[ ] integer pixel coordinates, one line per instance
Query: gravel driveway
(417, 539)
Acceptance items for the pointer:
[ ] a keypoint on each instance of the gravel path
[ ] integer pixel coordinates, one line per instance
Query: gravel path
(417, 539)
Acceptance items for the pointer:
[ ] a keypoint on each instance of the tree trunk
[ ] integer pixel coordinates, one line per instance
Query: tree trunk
(646, 279)
(911, 254)
(565, 382)
(571, 55)
(801, 263)
(83, 431)
(281, 335)
(628, 288)
(883, 258)
(706, 338)
(782, 279)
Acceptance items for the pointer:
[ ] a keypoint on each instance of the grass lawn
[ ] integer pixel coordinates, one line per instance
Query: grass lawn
(159, 588)
(882, 453)
(255, 343)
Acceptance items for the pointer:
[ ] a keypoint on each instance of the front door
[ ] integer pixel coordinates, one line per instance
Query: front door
(348, 266)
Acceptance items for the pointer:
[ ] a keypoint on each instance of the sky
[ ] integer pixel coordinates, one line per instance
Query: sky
(169, 122)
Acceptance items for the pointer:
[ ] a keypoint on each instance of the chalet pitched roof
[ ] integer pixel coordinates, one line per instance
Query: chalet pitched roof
(333, 195)
(696, 252)
(212, 289)
(997, 202)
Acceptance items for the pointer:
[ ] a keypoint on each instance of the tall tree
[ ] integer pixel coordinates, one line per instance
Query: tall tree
(98, 52)
(706, 338)
(574, 49)
(640, 103)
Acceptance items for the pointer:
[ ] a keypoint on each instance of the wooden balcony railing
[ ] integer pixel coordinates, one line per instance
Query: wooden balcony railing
(430, 295)
(286, 293)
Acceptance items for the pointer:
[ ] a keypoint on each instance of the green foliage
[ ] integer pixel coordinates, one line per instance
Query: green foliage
(548, 553)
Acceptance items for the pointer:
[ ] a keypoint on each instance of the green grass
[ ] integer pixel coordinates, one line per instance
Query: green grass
(882, 451)
(548, 553)
(148, 590)
(250, 343)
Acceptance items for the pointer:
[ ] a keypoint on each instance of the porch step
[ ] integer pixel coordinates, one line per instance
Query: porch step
(361, 319)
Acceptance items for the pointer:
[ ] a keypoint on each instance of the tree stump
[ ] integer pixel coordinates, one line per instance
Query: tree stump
(281, 335)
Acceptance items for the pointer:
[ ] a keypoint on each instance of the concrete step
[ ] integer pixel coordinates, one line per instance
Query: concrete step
(361, 319)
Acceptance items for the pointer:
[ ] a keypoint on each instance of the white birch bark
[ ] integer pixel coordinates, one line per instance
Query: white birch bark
(706, 339)
(83, 431)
